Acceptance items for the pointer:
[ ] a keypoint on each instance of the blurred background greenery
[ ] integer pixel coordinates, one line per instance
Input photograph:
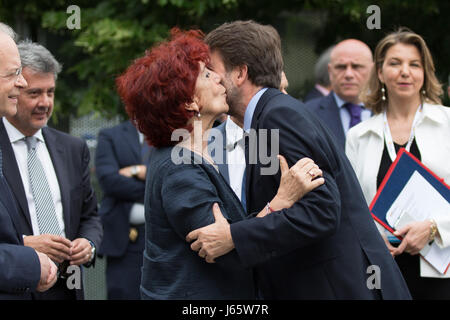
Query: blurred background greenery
(114, 32)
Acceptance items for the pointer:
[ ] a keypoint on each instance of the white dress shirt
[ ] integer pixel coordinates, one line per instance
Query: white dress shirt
(19, 147)
(250, 110)
(235, 155)
(364, 148)
(137, 211)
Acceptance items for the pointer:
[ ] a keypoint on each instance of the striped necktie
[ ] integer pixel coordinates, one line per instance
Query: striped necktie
(45, 208)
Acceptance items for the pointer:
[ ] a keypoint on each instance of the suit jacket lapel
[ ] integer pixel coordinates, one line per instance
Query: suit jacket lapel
(12, 174)
(57, 154)
(270, 92)
(223, 166)
(7, 199)
(131, 138)
(252, 147)
(214, 148)
(329, 112)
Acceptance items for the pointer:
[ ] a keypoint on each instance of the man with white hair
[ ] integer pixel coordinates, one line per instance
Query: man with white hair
(48, 171)
(22, 269)
(322, 85)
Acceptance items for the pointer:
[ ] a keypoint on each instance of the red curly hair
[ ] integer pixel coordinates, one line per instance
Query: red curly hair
(156, 87)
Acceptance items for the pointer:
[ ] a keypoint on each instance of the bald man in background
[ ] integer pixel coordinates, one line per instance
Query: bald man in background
(350, 64)
(22, 269)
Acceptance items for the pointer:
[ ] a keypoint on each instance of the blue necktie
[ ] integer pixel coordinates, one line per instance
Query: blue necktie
(355, 113)
(243, 197)
(244, 178)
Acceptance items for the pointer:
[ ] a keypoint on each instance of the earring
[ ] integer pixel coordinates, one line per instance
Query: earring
(383, 91)
(198, 115)
(424, 93)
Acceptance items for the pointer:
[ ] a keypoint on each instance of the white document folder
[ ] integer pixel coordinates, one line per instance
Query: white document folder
(419, 201)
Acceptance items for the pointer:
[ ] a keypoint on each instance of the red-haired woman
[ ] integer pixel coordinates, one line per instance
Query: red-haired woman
(172, 88)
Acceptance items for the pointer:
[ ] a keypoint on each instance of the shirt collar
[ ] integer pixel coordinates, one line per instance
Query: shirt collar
(234, 132)
(251, 109)
(340, 103)
(15, 135)
(375, 123)
(322, 90)
(141, 137)
(433, 112)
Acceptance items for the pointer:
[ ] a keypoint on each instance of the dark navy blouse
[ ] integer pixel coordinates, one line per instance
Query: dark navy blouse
(179, 198)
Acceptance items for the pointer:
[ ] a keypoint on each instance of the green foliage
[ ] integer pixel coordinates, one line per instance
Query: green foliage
(428, 18)
(115, 32)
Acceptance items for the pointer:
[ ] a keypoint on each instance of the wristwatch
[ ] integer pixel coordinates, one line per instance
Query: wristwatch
(134, 171)
(91, 259)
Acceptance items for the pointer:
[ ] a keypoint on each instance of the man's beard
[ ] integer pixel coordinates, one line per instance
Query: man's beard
(233, 101)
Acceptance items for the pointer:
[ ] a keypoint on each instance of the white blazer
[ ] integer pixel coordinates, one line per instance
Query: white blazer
(364, 148)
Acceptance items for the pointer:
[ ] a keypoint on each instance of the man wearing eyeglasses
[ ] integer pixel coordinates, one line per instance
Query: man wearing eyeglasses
(22, 269)
(11, 79)
(48, 171)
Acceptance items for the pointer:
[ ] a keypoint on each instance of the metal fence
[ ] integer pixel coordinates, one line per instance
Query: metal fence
(87, 128)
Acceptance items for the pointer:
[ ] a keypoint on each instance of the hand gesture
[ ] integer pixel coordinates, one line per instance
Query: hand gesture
(55, 247)
(48, 272)
(81, 251)
(415, 237)
(128, 171)
(298, 180)
(213, 240)
(391, 248)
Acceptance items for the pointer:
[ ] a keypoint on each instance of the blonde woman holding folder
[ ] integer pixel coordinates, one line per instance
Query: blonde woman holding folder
(403, 93)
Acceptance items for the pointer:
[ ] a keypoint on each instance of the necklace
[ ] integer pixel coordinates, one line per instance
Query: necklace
(388, 137)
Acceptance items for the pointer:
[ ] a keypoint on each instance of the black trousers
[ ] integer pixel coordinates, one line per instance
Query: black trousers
(422, 288)
(123, 274)
(59, 291)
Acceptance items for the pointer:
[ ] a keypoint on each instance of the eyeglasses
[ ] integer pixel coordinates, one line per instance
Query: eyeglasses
(14, 75)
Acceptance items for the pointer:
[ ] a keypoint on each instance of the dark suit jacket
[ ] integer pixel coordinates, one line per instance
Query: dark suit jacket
(20, 270)
(220, 158)
(117, 147)
(322, 246)
(179, 199)
(313, 94)
(70, 157)
(327, 111)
